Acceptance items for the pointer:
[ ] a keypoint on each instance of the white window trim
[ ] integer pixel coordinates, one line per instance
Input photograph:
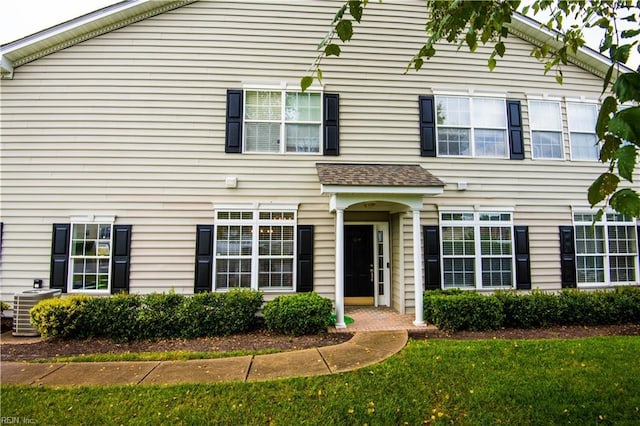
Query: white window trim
(283, 88)
(470, 95)
(477, 223)
(87, 220)
(549, 99)
(607, 271)
(581, 101)
(255, 224)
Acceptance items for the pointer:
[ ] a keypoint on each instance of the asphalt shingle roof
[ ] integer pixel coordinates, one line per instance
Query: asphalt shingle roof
(376, 175)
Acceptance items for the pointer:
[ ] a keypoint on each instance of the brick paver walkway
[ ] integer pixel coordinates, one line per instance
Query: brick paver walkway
(370, 318)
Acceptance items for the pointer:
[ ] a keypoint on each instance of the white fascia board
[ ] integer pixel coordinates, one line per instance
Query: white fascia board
(533, 31)
(6, 67)
(70, 25)
(355, 189)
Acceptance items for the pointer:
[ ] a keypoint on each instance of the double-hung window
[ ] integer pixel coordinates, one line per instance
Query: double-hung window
(545, 118)
(255, 249)
(90, 256)
(474, 127)
(280, 121)
(607, 251)
(477, 250)
(582, 131)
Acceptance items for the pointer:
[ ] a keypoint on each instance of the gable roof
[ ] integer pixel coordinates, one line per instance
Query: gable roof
(102, 21)
(43, 43)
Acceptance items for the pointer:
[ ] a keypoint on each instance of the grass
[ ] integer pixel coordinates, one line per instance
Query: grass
(579, 381)
(155, 356)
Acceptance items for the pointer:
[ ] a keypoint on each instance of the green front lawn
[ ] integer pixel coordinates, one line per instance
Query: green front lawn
(581, 381)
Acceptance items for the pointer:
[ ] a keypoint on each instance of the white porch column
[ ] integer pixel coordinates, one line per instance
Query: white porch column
(340, 269)
(417, 269)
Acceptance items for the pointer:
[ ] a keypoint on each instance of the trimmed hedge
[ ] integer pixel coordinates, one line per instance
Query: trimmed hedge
(457, 310)
(126, 317)
(468, 311)
(59, 316)
(304, 313)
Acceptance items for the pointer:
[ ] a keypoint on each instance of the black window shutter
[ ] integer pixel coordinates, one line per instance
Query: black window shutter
(204, 258)
(567, 257)
(427, 126)
(331, 126)
(523, 261)
(233, 135)
(304, 281)
(431, 257)
(60, 256)
(121, 258)
(514, 119)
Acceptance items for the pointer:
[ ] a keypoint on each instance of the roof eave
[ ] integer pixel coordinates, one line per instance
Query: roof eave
(532, 31)
(119, 15)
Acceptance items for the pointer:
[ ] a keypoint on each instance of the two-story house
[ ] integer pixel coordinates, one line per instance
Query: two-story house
(167, 146)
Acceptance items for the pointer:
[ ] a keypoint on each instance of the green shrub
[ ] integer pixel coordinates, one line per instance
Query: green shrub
(467, 311)
(126, 317)
(627, 301)
(537, 309)
(59, 316)
(156, 316)
(304, 313)
(427, 307)
(218, 314)
(3, 307)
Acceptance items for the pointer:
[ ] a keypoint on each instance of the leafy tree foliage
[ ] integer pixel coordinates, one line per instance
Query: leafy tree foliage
(470, 23)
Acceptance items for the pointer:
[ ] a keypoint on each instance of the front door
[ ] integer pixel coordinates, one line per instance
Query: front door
(358, 264)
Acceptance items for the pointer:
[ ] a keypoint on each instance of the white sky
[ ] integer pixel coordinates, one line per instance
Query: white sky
(20, 18)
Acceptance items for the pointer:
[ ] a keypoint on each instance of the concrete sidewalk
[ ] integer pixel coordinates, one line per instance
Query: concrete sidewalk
(365, 348)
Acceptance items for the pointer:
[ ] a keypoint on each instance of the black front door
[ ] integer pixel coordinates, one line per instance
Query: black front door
(358, 261)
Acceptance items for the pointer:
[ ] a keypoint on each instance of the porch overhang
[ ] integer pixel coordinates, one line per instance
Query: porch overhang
(349, 184)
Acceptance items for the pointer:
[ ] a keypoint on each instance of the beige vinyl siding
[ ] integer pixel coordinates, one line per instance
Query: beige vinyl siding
(132, 123)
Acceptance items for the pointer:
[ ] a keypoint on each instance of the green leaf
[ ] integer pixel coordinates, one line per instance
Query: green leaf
(319, 75)
(607, 78)
(418, 62)
(626, 125)
(602, 187)
(355, 9)
(609, 148)
(630, 33)
(609, 106)
(559, 77)
(525, 10)
(627, 202)
(332, 50)
(492, 64)
(306, 82)
(344, 28)
(627, 156)
(627, 87)
(500, 49)
(606, 42)
(602, 23)
(621, 53)
(471, 40)
(340, 13)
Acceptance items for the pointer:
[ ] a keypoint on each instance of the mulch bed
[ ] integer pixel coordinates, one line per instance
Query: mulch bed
(261, 339)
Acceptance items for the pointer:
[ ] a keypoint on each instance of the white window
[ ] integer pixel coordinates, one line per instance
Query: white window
(582, 131)
(607, 252)
(545, 119)
(477, 250)
(475, 127)
(90, 256)
(255, 249)
(280, 121)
